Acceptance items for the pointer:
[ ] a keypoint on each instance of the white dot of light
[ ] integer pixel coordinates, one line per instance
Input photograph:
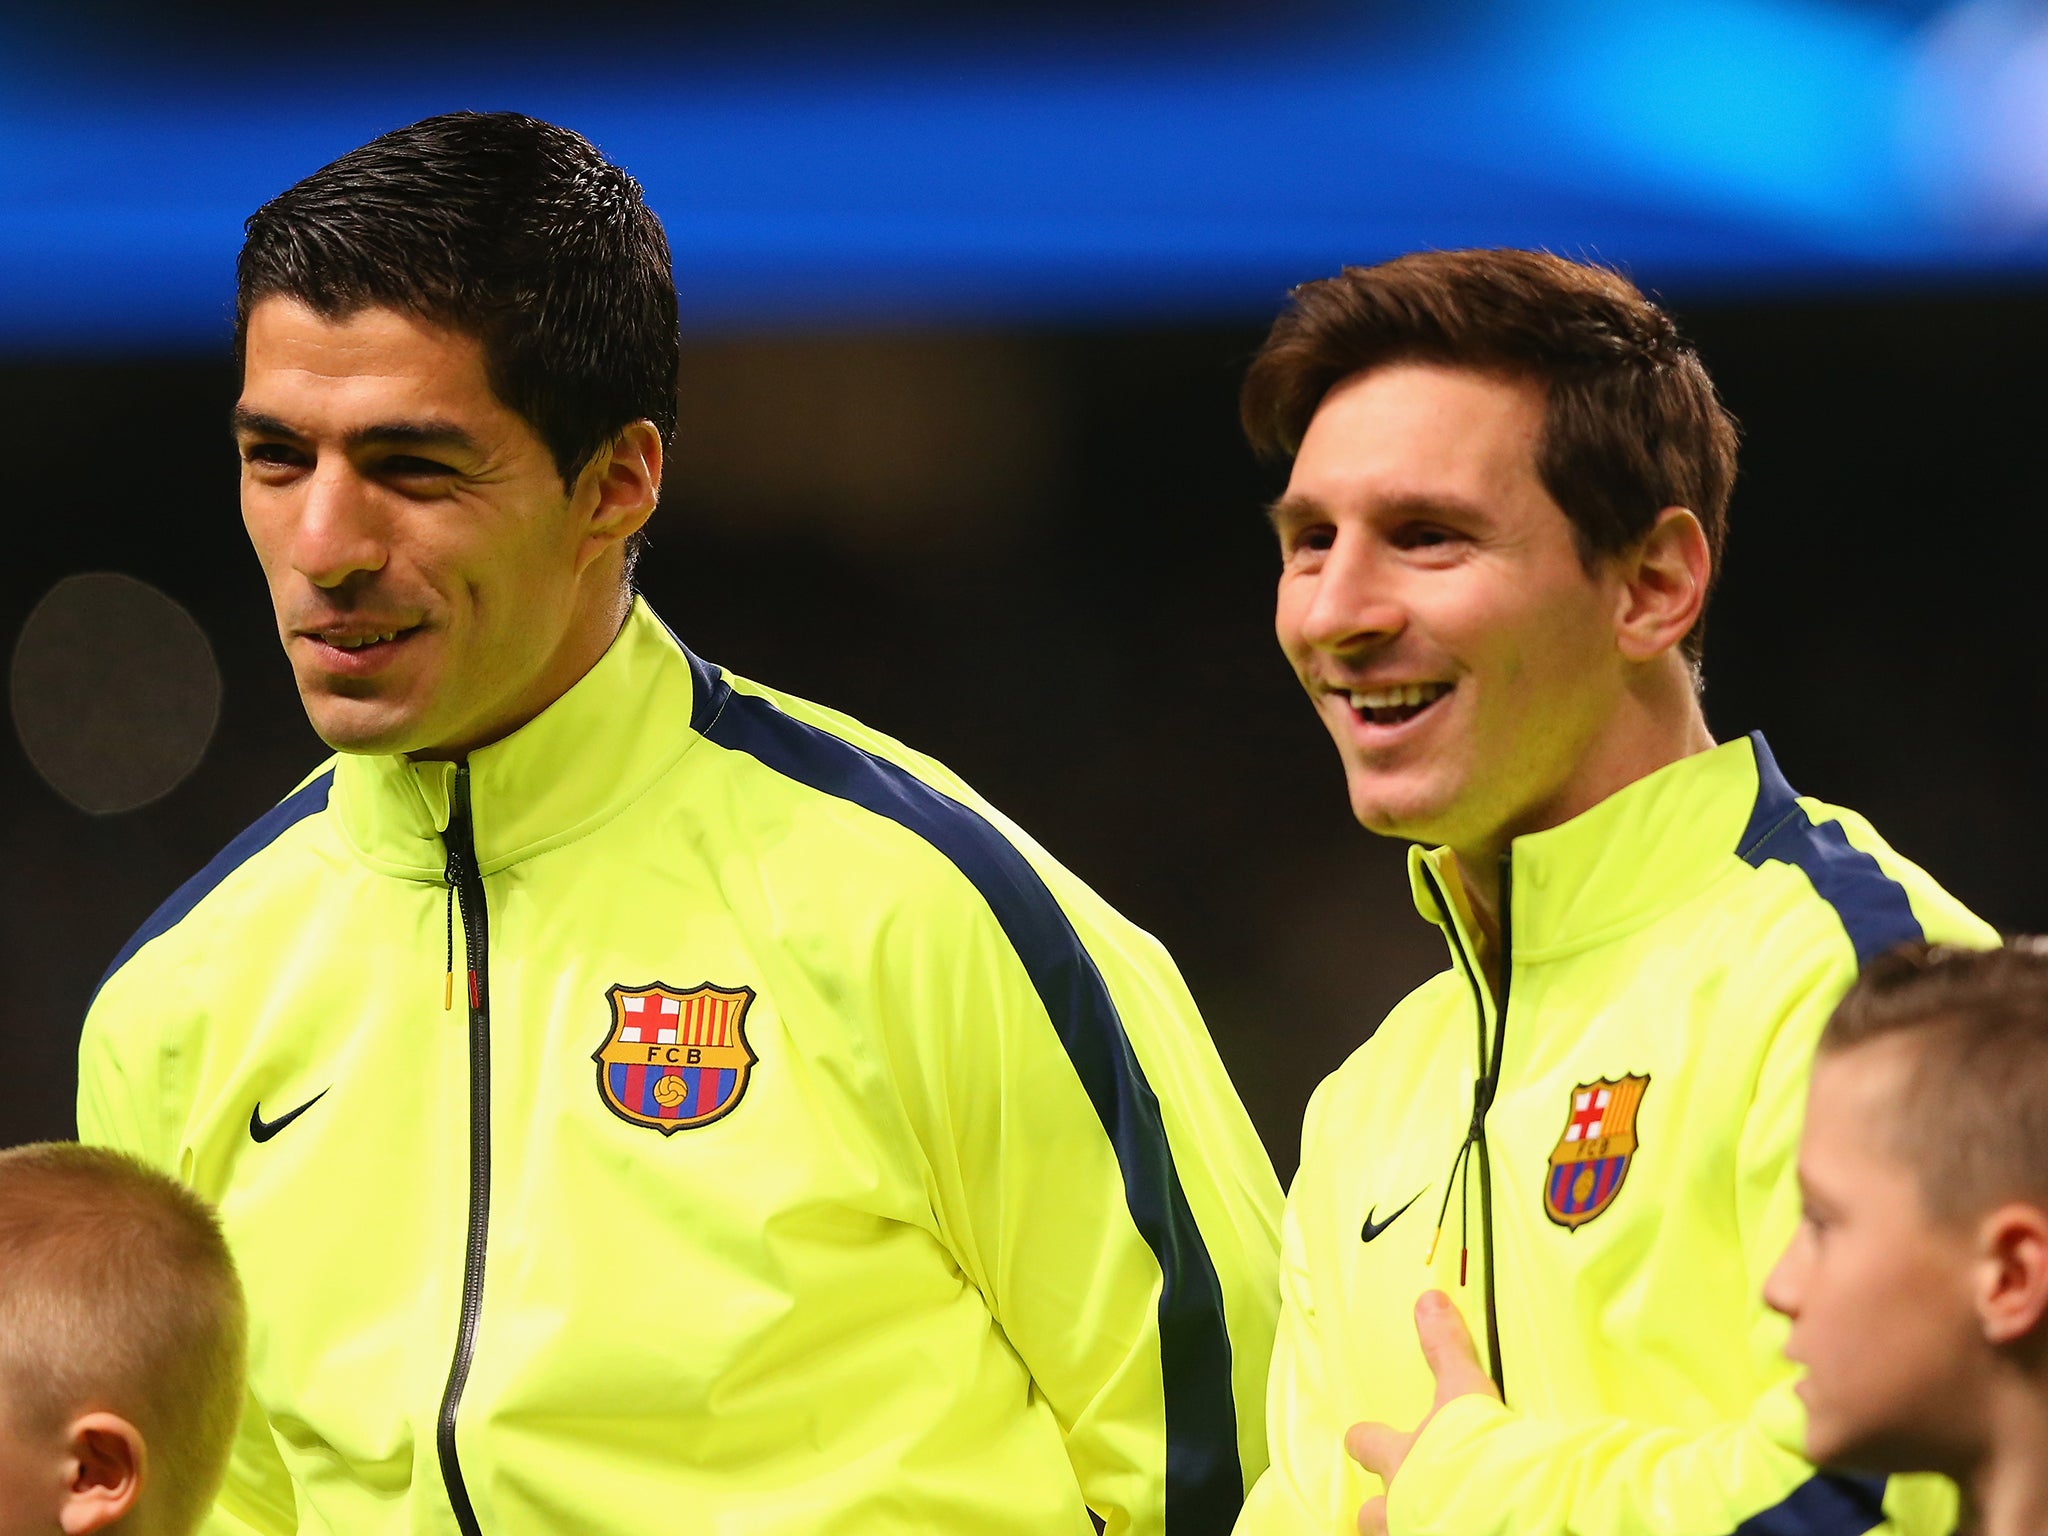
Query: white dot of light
(114, 691)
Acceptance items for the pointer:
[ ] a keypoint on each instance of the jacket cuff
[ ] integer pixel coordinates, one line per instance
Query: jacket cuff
(1441, 1463)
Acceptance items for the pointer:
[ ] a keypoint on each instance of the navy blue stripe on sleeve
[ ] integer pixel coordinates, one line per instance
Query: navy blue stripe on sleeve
(1877, 916)
(1871, 904)
(708, 690)
(294, 808)
(1826, 1504)
(1204, 1480)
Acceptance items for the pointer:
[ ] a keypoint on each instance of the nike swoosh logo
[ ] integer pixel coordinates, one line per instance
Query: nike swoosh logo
(261, 1129)
(1373, 1229)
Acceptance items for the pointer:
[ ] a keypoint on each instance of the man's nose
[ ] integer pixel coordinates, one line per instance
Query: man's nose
(1357, 600)
(342, 531)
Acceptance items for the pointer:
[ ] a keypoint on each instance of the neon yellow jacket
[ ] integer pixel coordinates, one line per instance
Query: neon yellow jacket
(1670, 957)
(804, 1149)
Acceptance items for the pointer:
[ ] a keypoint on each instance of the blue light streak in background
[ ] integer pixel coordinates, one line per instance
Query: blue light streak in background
(1078, 174)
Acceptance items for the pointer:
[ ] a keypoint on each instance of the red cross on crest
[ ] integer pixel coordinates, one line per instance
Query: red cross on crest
(1588, 1105)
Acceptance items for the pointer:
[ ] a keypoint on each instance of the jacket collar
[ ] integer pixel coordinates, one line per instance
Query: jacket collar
(1647, 848)
(563, 774)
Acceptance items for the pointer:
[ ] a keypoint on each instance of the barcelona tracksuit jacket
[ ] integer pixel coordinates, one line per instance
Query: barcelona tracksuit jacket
(1610, 1138)
(696, 1112)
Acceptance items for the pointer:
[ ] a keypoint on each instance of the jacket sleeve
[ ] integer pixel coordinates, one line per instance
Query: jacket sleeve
(1481, 1468)
(256, 1497)
(1097, 1179)
(123, 1094)
(1303, 1478)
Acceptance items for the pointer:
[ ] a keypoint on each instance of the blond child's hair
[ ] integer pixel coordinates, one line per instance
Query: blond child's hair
(117, 1293)
(1972, 1117)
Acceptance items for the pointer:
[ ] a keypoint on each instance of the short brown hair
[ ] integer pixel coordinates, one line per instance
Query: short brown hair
(117, 1293)
(1632, 424)
(1972, 1118)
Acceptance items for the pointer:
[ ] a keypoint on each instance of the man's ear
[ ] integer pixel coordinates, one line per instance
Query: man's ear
(2012, 1272)
(105, 1464)
(618, 489)
(1664, 585)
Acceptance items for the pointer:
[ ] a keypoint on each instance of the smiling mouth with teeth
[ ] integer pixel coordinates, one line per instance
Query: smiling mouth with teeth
(1394, 704)
(357, 643)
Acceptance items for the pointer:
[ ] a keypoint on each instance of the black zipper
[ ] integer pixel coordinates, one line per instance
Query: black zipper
(467, 888)
(1490, 1085)
(1485, 1085)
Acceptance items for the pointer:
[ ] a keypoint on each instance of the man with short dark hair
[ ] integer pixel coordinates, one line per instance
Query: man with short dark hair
(1917, 1283)
(638, 1099)
(1505, 510)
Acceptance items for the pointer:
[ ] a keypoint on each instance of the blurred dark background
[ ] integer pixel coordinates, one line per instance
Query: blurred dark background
(959, 451)
(1039, 555)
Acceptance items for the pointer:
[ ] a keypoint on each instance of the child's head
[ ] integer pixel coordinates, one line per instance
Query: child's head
(121, 1343)
(1918, 1278)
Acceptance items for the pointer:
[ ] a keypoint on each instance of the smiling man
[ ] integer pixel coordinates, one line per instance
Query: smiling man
(1521, 1262)
(463, 602)
(637, 1099)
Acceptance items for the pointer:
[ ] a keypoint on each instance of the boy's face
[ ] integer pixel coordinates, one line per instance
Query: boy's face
(1878, 1292)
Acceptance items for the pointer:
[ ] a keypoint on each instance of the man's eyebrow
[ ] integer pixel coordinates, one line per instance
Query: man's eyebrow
(1291, 510)
(1286, 510)
(244, 422)
(431, 432)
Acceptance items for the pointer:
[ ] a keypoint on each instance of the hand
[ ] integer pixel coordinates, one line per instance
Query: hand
(1447, 1346)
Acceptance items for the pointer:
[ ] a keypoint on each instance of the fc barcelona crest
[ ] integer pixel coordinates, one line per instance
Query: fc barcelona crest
(1592, 1157)
(674, 1058)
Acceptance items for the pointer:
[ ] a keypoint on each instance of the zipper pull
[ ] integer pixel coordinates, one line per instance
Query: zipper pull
(448, 984)
(458, 812)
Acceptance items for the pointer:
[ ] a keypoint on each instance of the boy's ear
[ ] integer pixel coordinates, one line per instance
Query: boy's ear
(2012, 1292)
(103, 1472)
